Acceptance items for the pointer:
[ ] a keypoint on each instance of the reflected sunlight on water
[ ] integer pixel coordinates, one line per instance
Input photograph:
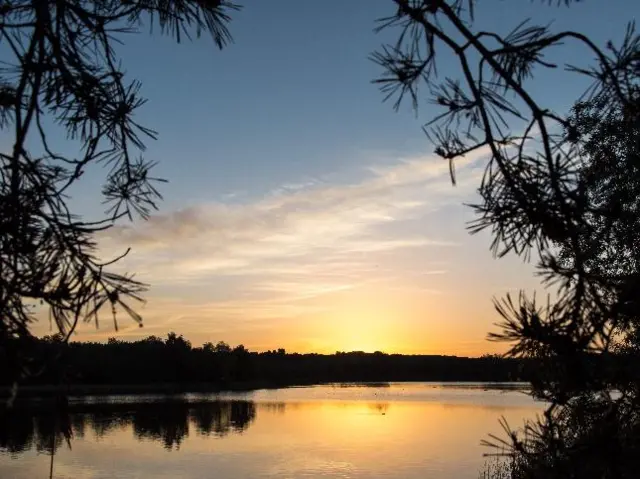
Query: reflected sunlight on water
(401, 430)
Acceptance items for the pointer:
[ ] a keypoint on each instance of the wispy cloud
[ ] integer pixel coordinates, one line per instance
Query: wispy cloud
(294, 221)
(302, 241)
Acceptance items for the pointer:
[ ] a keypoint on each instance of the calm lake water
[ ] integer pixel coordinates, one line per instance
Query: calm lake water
(401, 430)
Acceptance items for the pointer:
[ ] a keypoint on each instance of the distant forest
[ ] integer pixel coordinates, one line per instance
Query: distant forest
(154, 361)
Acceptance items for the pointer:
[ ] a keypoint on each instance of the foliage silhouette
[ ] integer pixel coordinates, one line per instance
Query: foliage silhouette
(152, 364)
(563, 190)
(61, 76)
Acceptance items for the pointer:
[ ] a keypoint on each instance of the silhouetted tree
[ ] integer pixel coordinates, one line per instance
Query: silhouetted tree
(61, 76)
(565, 187)
(178, 342)
(222, 347)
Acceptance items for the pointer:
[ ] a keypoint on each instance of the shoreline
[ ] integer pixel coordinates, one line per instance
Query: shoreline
(84, 390)
(81, 390)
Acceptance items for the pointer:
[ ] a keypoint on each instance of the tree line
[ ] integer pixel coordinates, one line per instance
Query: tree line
(156, 361)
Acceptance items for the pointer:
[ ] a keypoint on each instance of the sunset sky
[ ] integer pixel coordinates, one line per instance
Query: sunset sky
(302, 212)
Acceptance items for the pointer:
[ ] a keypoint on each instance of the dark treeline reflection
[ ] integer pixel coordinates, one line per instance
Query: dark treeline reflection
(47, 428)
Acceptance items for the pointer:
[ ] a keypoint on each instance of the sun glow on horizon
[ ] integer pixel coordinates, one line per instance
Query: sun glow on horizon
(374, 264)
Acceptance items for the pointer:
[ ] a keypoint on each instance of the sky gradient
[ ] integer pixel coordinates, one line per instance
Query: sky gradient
(301, 211)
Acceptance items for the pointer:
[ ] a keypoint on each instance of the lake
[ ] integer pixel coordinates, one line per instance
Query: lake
(398, 430)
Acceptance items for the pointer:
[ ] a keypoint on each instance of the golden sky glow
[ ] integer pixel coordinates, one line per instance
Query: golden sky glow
(381, 263)
(301, 212)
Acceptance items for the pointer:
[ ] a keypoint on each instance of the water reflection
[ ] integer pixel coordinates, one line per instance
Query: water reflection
(321, 432)
(43, 433)
(167, 422)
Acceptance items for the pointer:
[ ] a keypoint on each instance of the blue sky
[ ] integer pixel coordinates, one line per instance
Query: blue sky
(302, 212)
(291, 99)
